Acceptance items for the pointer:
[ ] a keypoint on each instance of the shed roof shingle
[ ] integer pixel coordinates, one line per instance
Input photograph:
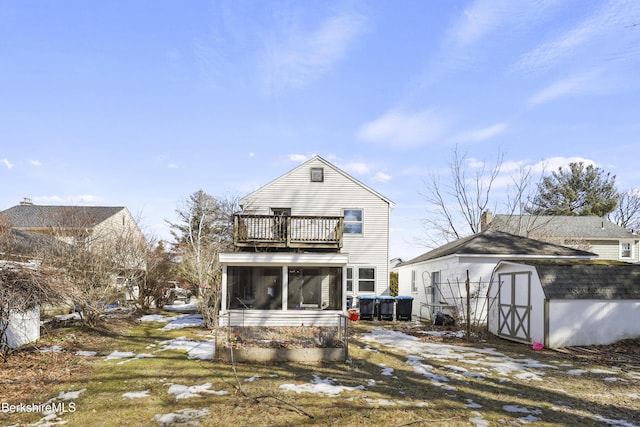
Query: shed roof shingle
(588, 279)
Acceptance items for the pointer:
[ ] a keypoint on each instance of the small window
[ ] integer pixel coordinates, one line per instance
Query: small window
(625, 250)
(414, 286)
(317, 174)
(366, 280)
(349, 279)
(353, 221)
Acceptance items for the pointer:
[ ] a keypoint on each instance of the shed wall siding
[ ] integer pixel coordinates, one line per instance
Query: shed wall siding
(296, 191)
(592, 322)
(536, 302)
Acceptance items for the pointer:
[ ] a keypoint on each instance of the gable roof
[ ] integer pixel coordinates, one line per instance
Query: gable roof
(563, 226)
(34, 217)
(328, 164)
(587, 279)
(493, 242)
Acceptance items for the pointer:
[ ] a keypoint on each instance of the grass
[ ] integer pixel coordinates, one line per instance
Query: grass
(254, 396)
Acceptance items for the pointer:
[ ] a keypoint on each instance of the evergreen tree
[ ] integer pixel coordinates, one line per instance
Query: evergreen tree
(578, 190)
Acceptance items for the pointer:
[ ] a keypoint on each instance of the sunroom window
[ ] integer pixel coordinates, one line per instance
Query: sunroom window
(257, 288)
(315, 288)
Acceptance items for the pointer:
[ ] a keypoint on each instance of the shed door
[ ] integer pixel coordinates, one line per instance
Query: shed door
(514, 306)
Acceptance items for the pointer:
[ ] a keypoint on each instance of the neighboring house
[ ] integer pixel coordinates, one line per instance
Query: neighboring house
(88, 225)
(591, 233)
(565, 303)
(307, 241)
(437, 279)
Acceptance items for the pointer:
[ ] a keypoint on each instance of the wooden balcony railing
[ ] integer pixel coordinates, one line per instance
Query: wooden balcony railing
(275, 231)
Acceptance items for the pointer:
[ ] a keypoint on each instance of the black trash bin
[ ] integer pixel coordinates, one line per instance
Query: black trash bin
(404, 307)
(367, 307)
(385, 307)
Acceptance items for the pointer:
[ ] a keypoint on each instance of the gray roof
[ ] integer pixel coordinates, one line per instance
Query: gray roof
(576, 227)
(32, 217)
(575, 279)
(493, 242)
(26, 243)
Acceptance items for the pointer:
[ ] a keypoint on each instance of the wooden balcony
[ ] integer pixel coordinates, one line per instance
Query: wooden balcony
(288, 232)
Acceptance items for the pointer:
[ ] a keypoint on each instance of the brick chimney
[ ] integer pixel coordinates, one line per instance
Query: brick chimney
(485, 220)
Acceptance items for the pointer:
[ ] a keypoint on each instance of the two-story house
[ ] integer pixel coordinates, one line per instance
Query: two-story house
(309, 241)
(591, 233)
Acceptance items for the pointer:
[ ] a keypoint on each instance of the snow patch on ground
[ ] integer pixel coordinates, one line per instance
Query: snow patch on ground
(186, 392)
(86, 353)
(136, 394)
(156, 318)
(202, 350)
(69, 395)
(136, 357)
(52, 349)
(185, 321)
(319, 385)
(185, 416)
(119, 355)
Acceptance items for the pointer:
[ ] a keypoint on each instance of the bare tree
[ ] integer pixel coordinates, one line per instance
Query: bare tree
(160, 272)
(101, 267)
(627, 213)
(204, 230)
(455, 206)
(25, 284)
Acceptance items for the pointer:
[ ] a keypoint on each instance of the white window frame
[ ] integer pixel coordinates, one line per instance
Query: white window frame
(361, 222)
(414, 286)
(374, 280)
(623, 250)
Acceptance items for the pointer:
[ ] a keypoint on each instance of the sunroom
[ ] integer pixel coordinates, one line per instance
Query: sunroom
(283, 289)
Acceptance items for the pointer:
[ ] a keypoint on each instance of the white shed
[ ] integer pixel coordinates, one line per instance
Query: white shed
(565, 303)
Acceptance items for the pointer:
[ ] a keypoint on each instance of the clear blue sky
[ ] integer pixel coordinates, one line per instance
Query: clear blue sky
(141, 103)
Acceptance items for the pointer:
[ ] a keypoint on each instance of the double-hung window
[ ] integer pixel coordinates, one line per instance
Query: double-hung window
(366, 279)
(352, 221)
(626, 250)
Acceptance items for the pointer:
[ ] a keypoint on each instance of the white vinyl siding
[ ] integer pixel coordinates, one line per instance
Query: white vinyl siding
(331, 197)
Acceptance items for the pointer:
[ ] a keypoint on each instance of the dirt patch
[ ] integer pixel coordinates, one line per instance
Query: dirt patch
(33, 371)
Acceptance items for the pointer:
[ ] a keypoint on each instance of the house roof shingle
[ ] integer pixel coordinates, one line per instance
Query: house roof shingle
(493, 242)
(562, 226)
(31, 217)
